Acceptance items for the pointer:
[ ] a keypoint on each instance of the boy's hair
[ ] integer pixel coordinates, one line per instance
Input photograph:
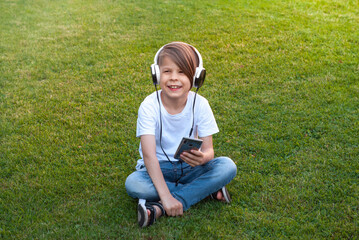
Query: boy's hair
(183, 55)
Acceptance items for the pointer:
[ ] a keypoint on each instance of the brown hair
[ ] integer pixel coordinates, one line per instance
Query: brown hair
(183, 55)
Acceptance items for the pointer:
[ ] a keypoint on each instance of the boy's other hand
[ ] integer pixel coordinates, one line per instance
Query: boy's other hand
(172, 206)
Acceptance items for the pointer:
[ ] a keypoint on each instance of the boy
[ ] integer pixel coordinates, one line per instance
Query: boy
(170, 186)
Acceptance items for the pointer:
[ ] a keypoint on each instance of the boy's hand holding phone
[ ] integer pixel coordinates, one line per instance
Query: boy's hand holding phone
(189, 151)
(193, 157)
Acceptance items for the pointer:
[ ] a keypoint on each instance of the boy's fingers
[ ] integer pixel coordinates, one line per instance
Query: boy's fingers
(196, 152)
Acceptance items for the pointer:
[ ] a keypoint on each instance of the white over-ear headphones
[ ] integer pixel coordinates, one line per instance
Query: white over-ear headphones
(198, 78)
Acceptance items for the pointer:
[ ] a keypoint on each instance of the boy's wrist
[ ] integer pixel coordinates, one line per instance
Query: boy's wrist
(166, 196)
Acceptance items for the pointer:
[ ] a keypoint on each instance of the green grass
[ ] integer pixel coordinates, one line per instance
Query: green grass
(283, 82)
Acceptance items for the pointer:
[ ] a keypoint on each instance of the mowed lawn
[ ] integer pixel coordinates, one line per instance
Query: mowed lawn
(283, 83)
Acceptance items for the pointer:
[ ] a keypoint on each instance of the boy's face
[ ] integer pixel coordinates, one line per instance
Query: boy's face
(174, 83)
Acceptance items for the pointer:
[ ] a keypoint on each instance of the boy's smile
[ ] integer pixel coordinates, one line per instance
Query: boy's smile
(174, 83)
(174, 87)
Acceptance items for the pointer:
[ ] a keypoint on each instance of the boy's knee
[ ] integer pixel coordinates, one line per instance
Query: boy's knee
(228, 166)
(130, 185)
(138, 187)
(133, 186)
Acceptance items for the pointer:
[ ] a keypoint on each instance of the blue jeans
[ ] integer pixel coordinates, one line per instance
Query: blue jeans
(195, 184)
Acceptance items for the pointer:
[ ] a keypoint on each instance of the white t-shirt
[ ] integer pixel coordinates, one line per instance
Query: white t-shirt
(174, 127)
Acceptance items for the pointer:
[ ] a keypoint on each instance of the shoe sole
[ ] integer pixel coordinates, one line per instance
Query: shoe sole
(226, 195)
(142, 215)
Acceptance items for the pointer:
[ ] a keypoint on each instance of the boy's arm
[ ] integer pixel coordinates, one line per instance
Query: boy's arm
(196, 157)
(172, 206)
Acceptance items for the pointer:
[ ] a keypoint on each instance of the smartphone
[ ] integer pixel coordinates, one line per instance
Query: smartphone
(187, 144)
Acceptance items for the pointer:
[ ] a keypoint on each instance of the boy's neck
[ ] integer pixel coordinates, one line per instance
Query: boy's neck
(174, 106)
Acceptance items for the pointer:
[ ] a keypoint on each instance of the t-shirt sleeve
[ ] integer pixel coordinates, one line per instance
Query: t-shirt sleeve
(206, 123)
(146, 120)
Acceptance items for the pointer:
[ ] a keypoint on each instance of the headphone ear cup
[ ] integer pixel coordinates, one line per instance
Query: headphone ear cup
(158, 75)
(199, 77)
(155, 71)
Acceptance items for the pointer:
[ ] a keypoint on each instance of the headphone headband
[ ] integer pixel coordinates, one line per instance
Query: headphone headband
(198, 77)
